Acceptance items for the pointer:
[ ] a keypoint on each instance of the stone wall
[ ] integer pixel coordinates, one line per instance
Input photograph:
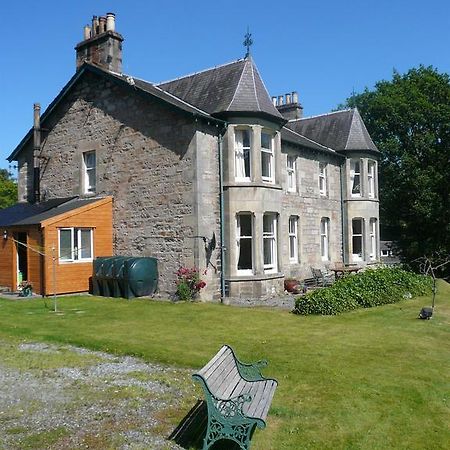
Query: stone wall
(148, 155)
(311, 207)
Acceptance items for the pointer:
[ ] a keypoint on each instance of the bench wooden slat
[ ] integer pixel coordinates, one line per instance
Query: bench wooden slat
(206, 371)
(256, 392)
(261, 406)
(220, 374)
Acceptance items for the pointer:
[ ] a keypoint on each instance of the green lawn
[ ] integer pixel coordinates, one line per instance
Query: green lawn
(370, 379)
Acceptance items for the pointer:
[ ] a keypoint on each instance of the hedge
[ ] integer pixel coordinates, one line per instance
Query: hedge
(366, 289)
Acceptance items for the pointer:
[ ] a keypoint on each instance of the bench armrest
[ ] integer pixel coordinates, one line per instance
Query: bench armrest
(251, 372)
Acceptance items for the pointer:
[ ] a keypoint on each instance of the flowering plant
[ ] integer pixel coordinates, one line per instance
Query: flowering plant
(189, 283)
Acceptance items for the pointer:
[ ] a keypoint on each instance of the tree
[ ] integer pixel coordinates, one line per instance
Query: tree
(409, 121)
(8, 189)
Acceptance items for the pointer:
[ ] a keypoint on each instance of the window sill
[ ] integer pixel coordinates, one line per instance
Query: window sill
(260, 277)
(237, 184)
(79, 261)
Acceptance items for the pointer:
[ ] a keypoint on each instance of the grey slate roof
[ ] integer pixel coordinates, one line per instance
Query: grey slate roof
(236, 87)
(34, 214)
(291, 136)
(22, 211)
(340, 130)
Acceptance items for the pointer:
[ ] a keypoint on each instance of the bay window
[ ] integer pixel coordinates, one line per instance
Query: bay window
(371, 178)
(267, 157)
(242, 155)
(75, 244)
(357, 239)
(244, 244)
(355, 177)
(373, 238)
(270, 242)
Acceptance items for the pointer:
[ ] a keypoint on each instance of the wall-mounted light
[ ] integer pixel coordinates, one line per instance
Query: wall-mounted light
(5, 235)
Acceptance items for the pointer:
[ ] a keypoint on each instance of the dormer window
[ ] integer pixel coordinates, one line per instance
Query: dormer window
(355, 177)
(89, 178)
(267, 160)
(242, 155)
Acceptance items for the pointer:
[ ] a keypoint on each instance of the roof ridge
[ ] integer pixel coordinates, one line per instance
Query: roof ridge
(254, 84)
(235, 91)
(200, 71)
(322, 115)
(349, 130)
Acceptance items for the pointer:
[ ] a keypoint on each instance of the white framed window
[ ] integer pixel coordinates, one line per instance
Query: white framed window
(357, 239)
(371, 178)
(355, 177)
(242, 154)
(75, 244)
(322, 179)
(267, 159)
(270, 242)
(293, 239)
(291, 173)
(325, 238)
(373, 238)
(244, 225)
(89, 181)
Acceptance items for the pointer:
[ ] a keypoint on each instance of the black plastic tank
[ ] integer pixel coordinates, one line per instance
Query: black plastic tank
(140, 277)
(124, 276)
(100, 267)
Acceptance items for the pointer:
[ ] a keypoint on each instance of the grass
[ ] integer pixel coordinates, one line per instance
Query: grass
(370, 379)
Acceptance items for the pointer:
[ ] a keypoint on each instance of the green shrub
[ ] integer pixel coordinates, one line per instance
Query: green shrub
(372, 287)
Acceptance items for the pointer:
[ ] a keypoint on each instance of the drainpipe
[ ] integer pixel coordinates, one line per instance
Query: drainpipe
(36, 152)
(222, 215)
(342, 175)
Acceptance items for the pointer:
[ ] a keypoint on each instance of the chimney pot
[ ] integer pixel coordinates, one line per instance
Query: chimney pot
(294, 97)
(102, 24)
(87, 32)
(94, 26)
(110, 22)
(280, 100)
(288, 99)
(274, 101)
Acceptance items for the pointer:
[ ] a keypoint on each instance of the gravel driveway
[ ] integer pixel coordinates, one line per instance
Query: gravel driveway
(63, 397)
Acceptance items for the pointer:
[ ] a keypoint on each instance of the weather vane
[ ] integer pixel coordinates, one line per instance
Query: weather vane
(248, 42)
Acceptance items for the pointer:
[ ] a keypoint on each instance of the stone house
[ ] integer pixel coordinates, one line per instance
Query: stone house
(207, 171)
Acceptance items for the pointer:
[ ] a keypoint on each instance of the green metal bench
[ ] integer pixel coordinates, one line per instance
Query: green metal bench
(238, 398)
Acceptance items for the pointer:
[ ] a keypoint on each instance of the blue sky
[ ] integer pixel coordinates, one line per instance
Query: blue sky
(323, 49)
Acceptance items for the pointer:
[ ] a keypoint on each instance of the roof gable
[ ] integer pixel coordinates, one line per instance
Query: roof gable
(135, 86)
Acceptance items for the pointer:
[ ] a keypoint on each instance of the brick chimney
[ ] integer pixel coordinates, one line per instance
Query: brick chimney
(102, 45)
(288, 106)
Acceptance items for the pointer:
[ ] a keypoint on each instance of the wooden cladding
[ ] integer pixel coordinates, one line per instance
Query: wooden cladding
(49, 275)
(74, 276)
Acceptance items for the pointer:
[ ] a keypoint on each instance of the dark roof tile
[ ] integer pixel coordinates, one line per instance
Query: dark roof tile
(235, 87)
(340, 130)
